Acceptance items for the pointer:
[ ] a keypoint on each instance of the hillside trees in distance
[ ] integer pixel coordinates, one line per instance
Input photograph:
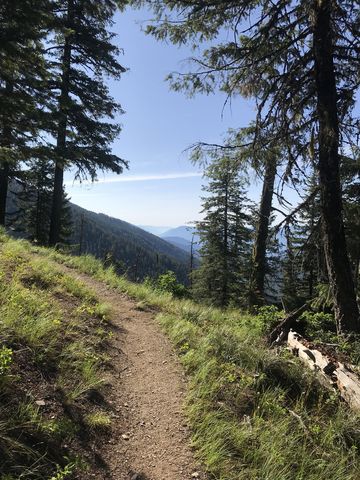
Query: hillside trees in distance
(307, 256)
(298, 61)
(129, 249)
(23, 75)
(82, 53)
(222, 278)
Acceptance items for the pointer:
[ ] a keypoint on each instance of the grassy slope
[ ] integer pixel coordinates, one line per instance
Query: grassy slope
(53, 334)
(255, 414)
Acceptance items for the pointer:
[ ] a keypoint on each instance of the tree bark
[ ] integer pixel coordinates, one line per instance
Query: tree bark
(55, 220)
(357, 271)
(262, 233)
(224, 291)
(5, 168)
(4, 182)
(337, 260)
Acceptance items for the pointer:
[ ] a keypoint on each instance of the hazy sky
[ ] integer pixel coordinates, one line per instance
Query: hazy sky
(161, 187)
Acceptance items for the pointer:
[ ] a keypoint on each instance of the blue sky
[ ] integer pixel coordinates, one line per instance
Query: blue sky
(161, 187)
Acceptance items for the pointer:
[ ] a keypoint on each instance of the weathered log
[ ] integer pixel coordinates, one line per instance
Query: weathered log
(349, 386)
(280, 332)
(334, 373)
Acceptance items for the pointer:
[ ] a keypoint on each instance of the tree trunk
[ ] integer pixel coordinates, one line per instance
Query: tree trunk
(5, 167)
(4, 182)
(262, 233)
(55, 220)
(225, 286)
(357, 270)
(337, 260)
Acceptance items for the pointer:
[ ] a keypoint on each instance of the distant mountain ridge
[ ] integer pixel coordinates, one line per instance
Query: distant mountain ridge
(179, 242)
(155, 230)
(185, 232)
(183, 237)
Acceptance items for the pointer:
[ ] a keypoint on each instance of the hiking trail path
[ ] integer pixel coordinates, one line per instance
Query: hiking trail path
(150, 436)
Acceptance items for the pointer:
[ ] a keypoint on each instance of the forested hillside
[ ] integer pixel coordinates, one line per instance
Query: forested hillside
(133, 251)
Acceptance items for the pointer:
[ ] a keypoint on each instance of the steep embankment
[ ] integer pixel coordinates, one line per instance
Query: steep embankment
(89, 382)
(54, 334)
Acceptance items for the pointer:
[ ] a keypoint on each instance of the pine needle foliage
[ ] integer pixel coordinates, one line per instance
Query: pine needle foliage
(223, 275)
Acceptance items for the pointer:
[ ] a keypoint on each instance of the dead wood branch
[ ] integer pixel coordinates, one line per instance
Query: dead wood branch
(280, 332)
(334, 373)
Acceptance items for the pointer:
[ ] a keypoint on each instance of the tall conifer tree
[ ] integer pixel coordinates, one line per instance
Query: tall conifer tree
(32, 204)
(83, 54)
(299, 60)
(22, 76)
(223, 275)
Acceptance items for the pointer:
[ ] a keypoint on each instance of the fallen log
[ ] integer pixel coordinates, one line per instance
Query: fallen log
(280, 332)
(334, 373)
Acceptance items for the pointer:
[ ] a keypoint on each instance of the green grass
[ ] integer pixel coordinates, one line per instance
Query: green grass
(98, 420)
(52, 348)
(255, 413)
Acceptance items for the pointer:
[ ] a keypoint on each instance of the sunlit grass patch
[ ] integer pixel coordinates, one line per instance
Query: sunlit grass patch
(80, 377)
(258, 415)
(30, 318)
(98, 420)
(53, 330)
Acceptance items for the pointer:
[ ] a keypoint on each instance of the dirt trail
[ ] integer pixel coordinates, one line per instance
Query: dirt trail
(150, 436)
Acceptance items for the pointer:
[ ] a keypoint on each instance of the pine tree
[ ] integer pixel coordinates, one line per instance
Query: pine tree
(31, 217)
(265, 161)
(22, 76)
(299, 61)
(223, 275)
(82, 55)
(259, 260)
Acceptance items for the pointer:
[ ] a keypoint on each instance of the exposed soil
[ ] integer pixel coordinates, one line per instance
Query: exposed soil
(150, 436)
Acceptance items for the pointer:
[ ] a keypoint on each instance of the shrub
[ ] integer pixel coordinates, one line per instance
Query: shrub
(167, 282)
(269, 316)
(6, 355)
(319, 325)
